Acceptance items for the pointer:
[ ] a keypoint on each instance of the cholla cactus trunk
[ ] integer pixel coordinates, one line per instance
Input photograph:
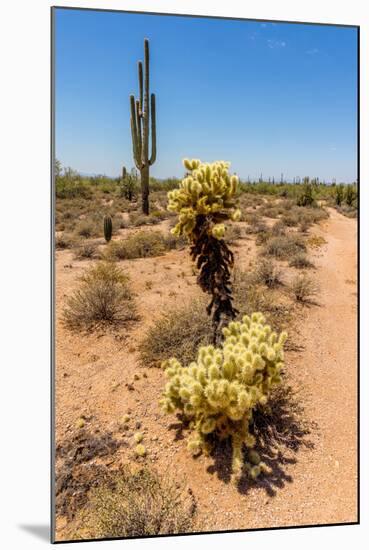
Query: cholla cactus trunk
(204, 201)
(215, 261)
(140, 128)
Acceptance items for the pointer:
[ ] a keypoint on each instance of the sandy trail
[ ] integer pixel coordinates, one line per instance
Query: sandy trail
(315, 486)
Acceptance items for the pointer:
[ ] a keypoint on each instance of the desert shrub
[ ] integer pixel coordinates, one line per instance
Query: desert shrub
(270, 211)
(301, 261)
(304, 226)
(249, 297)
(303, 288)
(143, 244)
(278, 228)
(137, 219)
(284, 247)
(136, 504)
(88, 229)
(233, 233)
(267, 273)
(348, 211)
(350, 195)
(218, 392)
(316, 215)
(68, 189)
(306, 196)
(179, 331)
(63, 242)
(291, 219)
(255, 223)
(102, 297)
(86, 251)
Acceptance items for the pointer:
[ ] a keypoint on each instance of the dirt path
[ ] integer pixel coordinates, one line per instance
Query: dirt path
(322, 487)
(327, 370)
(314, 486)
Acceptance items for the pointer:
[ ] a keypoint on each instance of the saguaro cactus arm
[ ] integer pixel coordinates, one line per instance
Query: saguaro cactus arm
(153, 130)
(134, 132)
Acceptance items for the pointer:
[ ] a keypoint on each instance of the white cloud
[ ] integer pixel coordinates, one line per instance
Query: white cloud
(313, 51)
(276, 44)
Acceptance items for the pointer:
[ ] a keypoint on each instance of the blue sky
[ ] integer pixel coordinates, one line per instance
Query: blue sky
(268, 97)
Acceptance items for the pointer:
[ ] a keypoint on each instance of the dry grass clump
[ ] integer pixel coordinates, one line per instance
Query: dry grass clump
(301, 261)
(87, 251)
(143, 244)
(136, 504)
(250, 297)
(346, 210)
(233, 234)
(178, 332)
(316, 241)
(303, 288)
(267, 273)
(278, 229)
(88, 229)
(284, 246)
(102, 297)
(291, 219)
(62, 242)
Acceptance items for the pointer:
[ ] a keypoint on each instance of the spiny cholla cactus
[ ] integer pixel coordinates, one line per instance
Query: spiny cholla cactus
(204, 201)
(219, 391)
(208, 190)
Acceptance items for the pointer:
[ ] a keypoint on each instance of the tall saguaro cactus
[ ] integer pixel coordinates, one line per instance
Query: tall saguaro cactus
(140, 127)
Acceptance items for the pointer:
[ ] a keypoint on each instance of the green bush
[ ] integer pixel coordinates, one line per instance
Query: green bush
(218, 392)
(103, 296)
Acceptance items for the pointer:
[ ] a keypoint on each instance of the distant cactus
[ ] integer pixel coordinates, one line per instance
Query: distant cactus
(220, 390)
(108, 228)
(140, 117)
(350, 195)
(204, 200)
(306, 196)
(338, 194)
(129, 183)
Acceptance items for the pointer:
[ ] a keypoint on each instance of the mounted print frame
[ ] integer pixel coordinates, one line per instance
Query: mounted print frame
(205, 207)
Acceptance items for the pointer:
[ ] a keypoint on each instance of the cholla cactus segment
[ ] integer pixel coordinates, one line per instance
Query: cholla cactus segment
(208, 190)
(219, 391)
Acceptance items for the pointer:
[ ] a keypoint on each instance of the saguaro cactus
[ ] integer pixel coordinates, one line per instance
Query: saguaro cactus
(140, 128)
(108, 228)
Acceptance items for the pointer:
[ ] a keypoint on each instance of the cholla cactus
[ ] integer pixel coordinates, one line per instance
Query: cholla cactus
(219, 391)
(204, 201)
(208, 190)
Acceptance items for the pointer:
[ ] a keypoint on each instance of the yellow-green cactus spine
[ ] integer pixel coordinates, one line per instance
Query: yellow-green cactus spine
(220, 390)
(140, 127)
(204, 201)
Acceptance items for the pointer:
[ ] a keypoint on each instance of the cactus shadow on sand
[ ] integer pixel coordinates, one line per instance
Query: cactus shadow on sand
(280, 433)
